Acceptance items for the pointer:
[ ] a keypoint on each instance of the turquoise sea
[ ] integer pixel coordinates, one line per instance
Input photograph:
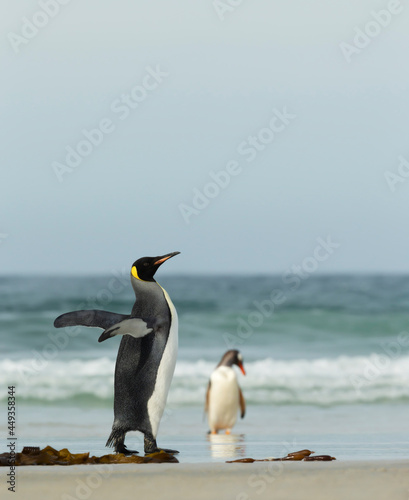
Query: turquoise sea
(327, 361)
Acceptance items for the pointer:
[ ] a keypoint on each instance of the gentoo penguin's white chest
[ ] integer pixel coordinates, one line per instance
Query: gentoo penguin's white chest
(223, 398)
(157, 401)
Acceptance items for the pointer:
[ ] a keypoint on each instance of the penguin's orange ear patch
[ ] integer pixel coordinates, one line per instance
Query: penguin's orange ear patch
(134, 273)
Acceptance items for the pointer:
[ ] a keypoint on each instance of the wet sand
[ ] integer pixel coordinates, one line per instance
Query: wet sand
(335, 480)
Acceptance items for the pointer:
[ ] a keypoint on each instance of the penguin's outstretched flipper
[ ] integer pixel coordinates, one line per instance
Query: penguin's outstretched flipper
(93, 317)
(136, 327)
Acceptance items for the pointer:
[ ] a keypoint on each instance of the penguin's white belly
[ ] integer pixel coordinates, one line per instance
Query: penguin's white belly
(223, 399)
(157, 402)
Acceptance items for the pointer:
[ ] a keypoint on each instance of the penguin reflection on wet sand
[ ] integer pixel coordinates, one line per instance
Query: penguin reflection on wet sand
(146, 356)
(224, 396)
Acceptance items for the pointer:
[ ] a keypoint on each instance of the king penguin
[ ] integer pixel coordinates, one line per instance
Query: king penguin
(146, 357)
(224, 396)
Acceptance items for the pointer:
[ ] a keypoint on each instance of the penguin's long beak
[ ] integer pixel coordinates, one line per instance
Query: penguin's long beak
(164, 258)
(240, 365)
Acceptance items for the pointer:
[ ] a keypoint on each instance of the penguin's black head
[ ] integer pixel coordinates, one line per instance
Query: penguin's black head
(145, 268)
(233, 357)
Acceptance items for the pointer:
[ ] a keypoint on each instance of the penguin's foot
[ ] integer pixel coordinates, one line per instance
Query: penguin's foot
(166, 450)
(228, 431)
(123, 449)
(171, 452)
(117, 440)
(150, 446)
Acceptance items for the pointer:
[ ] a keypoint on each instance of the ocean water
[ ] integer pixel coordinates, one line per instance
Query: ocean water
(327, 361)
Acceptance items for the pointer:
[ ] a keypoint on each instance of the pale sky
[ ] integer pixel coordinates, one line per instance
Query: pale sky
(303, 106)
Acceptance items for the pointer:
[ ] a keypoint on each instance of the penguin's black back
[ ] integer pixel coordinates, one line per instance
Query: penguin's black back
(137, 365)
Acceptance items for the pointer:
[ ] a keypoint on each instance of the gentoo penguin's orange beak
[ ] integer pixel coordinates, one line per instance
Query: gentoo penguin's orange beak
(162, 259)
(240, 365)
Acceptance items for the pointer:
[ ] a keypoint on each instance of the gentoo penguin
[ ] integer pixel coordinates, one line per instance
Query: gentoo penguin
(146, 356)
(224, 396)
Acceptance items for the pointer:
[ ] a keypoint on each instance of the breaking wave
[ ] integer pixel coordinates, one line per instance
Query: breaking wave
(320, 382)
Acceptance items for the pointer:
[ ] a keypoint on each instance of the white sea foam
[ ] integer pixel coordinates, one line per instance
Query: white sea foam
(342, 380)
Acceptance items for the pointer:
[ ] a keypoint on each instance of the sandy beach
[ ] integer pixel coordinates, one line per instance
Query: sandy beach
(350, 480)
